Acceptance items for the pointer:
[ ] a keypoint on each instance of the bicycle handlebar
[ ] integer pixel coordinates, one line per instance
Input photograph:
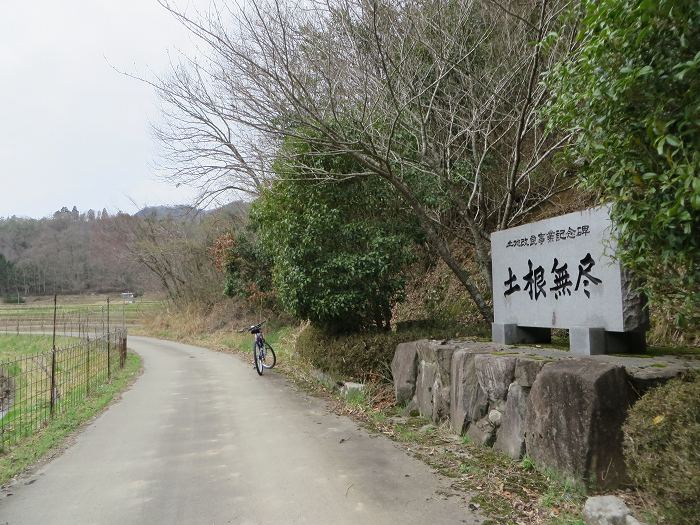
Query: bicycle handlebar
(251, 328)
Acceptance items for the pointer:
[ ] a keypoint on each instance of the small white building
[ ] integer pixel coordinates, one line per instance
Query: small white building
(128, 297)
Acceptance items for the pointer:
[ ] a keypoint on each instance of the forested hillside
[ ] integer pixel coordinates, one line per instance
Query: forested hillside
(81, 252)
(69, 252)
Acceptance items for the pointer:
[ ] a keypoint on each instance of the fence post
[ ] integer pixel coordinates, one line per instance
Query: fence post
(87, 369)
(52, 401)
(53, 342)
(122, 350)
(109, 339)
(53, 380)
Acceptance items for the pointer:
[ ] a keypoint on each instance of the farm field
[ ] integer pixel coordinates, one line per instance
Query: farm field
(14, 346)
(75, 315)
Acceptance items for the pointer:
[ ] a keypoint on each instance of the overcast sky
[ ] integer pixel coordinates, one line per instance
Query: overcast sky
(73, 131)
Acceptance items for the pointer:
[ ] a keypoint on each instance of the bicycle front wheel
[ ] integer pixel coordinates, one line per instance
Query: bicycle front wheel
(270, 359)
(258, 357)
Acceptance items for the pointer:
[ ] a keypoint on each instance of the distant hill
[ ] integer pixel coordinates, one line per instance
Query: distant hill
(180, 211)
(234, 209)
(187, 212)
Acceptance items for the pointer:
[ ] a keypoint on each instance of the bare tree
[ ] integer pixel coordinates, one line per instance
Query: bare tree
(204, 143)
(439, 98)
(175, 251)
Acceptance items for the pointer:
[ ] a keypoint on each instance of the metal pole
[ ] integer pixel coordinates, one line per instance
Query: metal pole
(53, 379)
(87, 371)
(109, 372)
(53, 343)
(53, 360)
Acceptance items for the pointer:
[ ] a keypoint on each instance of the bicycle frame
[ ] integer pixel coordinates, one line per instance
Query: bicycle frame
(260, 342)
(263, 354)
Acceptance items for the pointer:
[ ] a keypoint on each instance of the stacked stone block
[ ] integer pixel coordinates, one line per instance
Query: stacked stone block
(565, 412)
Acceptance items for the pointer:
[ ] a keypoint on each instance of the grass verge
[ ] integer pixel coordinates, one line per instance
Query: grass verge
(505, 491)
(16, 459)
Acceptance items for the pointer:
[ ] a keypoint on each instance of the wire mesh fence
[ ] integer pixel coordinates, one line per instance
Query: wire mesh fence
(36, 386)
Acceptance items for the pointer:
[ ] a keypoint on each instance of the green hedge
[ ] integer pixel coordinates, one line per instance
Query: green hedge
(662, 448)
(368, 355)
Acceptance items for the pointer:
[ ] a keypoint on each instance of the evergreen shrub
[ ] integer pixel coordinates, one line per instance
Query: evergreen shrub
(662, 448)
(367, 355)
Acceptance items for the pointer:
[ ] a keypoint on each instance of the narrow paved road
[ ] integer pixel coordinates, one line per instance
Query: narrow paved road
(201, 439)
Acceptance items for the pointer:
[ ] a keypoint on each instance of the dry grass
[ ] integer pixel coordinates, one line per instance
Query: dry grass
(506, 491)
(225, 316)
(664, 332)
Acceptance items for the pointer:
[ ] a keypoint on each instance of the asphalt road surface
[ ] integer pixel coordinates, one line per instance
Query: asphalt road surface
(201, 439)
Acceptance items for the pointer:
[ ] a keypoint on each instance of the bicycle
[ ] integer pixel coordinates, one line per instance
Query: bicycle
(263, 354)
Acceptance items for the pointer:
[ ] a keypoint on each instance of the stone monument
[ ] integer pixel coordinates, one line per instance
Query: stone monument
(561, 273)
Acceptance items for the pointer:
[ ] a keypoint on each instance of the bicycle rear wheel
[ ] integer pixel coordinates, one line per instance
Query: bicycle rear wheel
(258, 356)
(270, 358)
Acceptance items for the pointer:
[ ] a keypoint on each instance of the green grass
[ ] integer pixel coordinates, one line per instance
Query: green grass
(15, 346)
(566, 520)
(406, 435)
(527, 463)
(465, 468)
(561, 491)
(16, 459)
(356, 398)
(90, 311)
(673, 350)
(90, 304)
(277, 337)
(379, 417)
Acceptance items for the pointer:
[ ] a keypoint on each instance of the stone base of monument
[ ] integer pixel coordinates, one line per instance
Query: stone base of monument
(587, 341)
(512, 334)
(582, 340)
(562, 409)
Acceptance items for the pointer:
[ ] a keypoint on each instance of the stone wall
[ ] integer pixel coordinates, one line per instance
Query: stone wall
(565, 412)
